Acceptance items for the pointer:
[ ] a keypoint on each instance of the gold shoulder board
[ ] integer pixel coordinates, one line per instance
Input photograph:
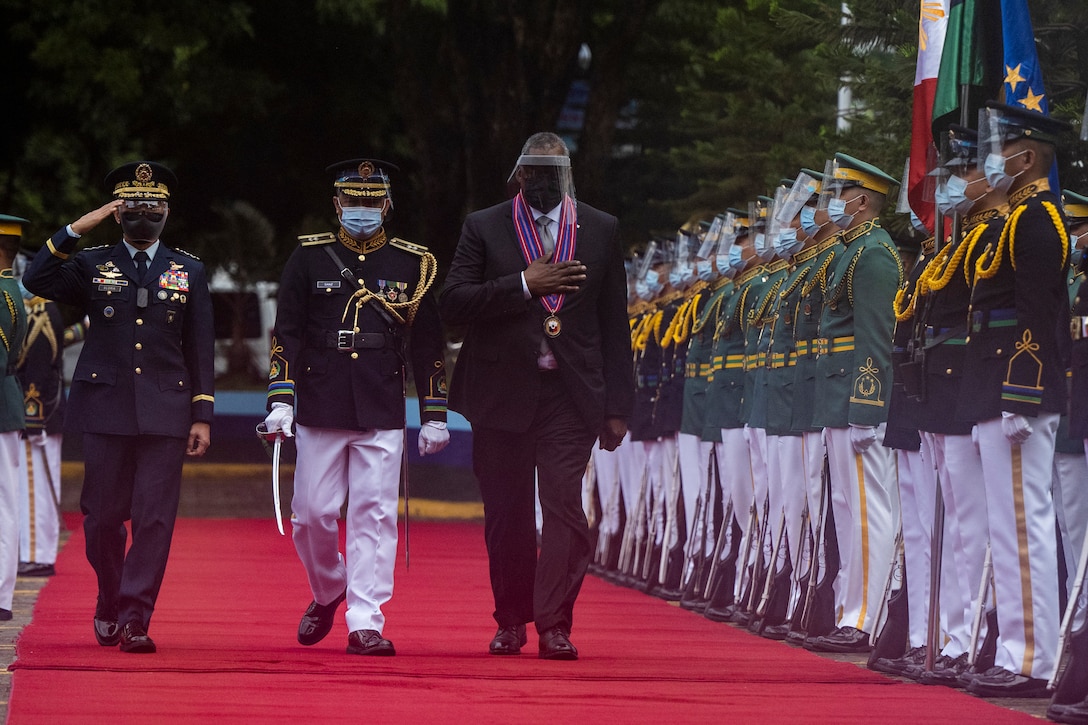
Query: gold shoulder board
(309, 240)
(408, 246)
(187, 254)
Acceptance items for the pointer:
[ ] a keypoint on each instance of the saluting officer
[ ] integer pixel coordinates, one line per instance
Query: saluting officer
(148, 363)
(12, 331)
(853, 383)
(1014, 390)
(349, 304)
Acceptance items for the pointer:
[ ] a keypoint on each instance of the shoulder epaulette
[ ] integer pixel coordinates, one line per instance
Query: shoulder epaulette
(187, 254)
(95, 249)
(409, 246)
(310, 240)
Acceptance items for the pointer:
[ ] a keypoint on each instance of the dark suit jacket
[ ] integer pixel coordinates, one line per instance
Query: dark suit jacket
(496, 383)
(143, 370)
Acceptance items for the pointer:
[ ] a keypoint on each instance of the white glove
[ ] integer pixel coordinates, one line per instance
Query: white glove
(37, 439)
(433, 437)
(862, 436)
(1016, 427)
(280, 419)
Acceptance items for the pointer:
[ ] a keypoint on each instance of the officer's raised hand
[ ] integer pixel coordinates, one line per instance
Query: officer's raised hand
(546, 278)
(92, 219)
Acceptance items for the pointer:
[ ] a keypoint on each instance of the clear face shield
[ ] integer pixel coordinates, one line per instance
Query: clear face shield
(759, 213)
(725, 244)
(993, 142)
(545, 181)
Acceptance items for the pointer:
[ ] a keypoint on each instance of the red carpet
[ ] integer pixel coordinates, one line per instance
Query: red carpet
(234, 590)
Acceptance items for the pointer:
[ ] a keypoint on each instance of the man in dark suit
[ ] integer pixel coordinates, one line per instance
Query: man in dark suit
(142, 391)
(545, 370)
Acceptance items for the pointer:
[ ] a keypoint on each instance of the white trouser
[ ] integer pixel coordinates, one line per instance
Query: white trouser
(963, 490)
(607, 471)
(364, 467)
(39, 492)
(632, 475)
(917, 497)
(1022, 544)
(790, 452)
(670, 474)
(1071, 507)
(657, 457)
(863, 492)
(9, 519)
(694, 457)
(757, 451)
(736, 471)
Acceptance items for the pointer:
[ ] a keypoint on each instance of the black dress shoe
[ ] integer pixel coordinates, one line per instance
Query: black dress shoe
(719, 614)
(1075, 712)
(5, 615)
(33, 568)
(508, 640)
(369, 642)
(134, 639)
(317, 621)
(843, 640)
(946, 672)
(555, 645)
(106, 632)
(916, 657)
(777, 632)
(999, 682)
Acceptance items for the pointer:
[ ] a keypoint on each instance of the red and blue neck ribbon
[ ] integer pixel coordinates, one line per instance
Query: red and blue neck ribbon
(531, 247)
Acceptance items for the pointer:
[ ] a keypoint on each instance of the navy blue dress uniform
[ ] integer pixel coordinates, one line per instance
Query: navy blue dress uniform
(354, 311)
(1076, 207)
(12, 331)
(1014, 390)
(142, 388)
(41, 374)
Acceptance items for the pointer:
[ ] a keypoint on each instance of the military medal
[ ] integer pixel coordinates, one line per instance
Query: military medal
(531, 248)
(552, 326)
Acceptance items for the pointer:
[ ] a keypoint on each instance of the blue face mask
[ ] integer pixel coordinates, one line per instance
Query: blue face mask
(704, 268)
(995, 171)
(941, 200)
(736, 258)
(808, 221)
(917, 223)
(653, 282)
(676, 277)
(836, 211)
(787, 243)
(956, 188)
(642, 290)
(722, 262)
(361, 222)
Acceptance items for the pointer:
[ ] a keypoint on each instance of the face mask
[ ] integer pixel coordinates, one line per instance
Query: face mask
(704, 270)
(736, 258)
(940, 199)
(956, 188)
(653, 282)
(542, 191)
(676, 277)
(142, 227)
(995, 171)
(722, 262)
(918, 224)
(808, 221)
(764, 250)
(642, 290)
(787, 243)
(360, 222)
(836, 211)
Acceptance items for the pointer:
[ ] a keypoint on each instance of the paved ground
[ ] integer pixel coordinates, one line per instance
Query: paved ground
(244, 491)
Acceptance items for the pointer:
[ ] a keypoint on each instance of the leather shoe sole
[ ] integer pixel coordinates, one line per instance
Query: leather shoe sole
(317, 621)
(106, 632)
(508, 641)
(134, 639)
(997, 682)
(369, 642)
(556, 645)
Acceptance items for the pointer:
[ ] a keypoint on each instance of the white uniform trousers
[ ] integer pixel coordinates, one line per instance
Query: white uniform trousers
(791, 473)
(9, 517)
(863, 496)
(1023, 544)
(1071, 507)
(917, 496)
(963, 490)
(632, 475)
(736, 468)
(757, 451)
(694, 458)
(657, 457)
(364, 468)
(607, 474)
(39, 492)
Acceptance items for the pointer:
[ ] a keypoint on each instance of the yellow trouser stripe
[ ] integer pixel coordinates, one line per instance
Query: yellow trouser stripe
(1025, 562)
(860, 462)
(33, 521)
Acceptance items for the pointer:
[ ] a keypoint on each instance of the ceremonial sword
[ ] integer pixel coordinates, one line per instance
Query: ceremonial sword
(277, 443)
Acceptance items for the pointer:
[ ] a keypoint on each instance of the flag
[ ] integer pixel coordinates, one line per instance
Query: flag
(1023, 77)
(932, 24)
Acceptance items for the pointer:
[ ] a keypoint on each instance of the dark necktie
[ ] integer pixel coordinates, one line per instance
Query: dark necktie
(141, 265)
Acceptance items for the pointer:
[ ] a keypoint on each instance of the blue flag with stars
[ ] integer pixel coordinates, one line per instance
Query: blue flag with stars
(1023, 77)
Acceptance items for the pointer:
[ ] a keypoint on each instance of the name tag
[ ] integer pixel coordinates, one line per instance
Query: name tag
(328, 284)
(108, 281)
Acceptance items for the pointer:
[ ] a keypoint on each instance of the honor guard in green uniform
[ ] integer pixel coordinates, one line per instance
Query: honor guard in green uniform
(799, 250)
(818, 607)
(1014, 389)
(853, 382)
(12, 332)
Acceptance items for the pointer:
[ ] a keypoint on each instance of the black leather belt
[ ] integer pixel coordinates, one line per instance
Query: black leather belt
(349, 340)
